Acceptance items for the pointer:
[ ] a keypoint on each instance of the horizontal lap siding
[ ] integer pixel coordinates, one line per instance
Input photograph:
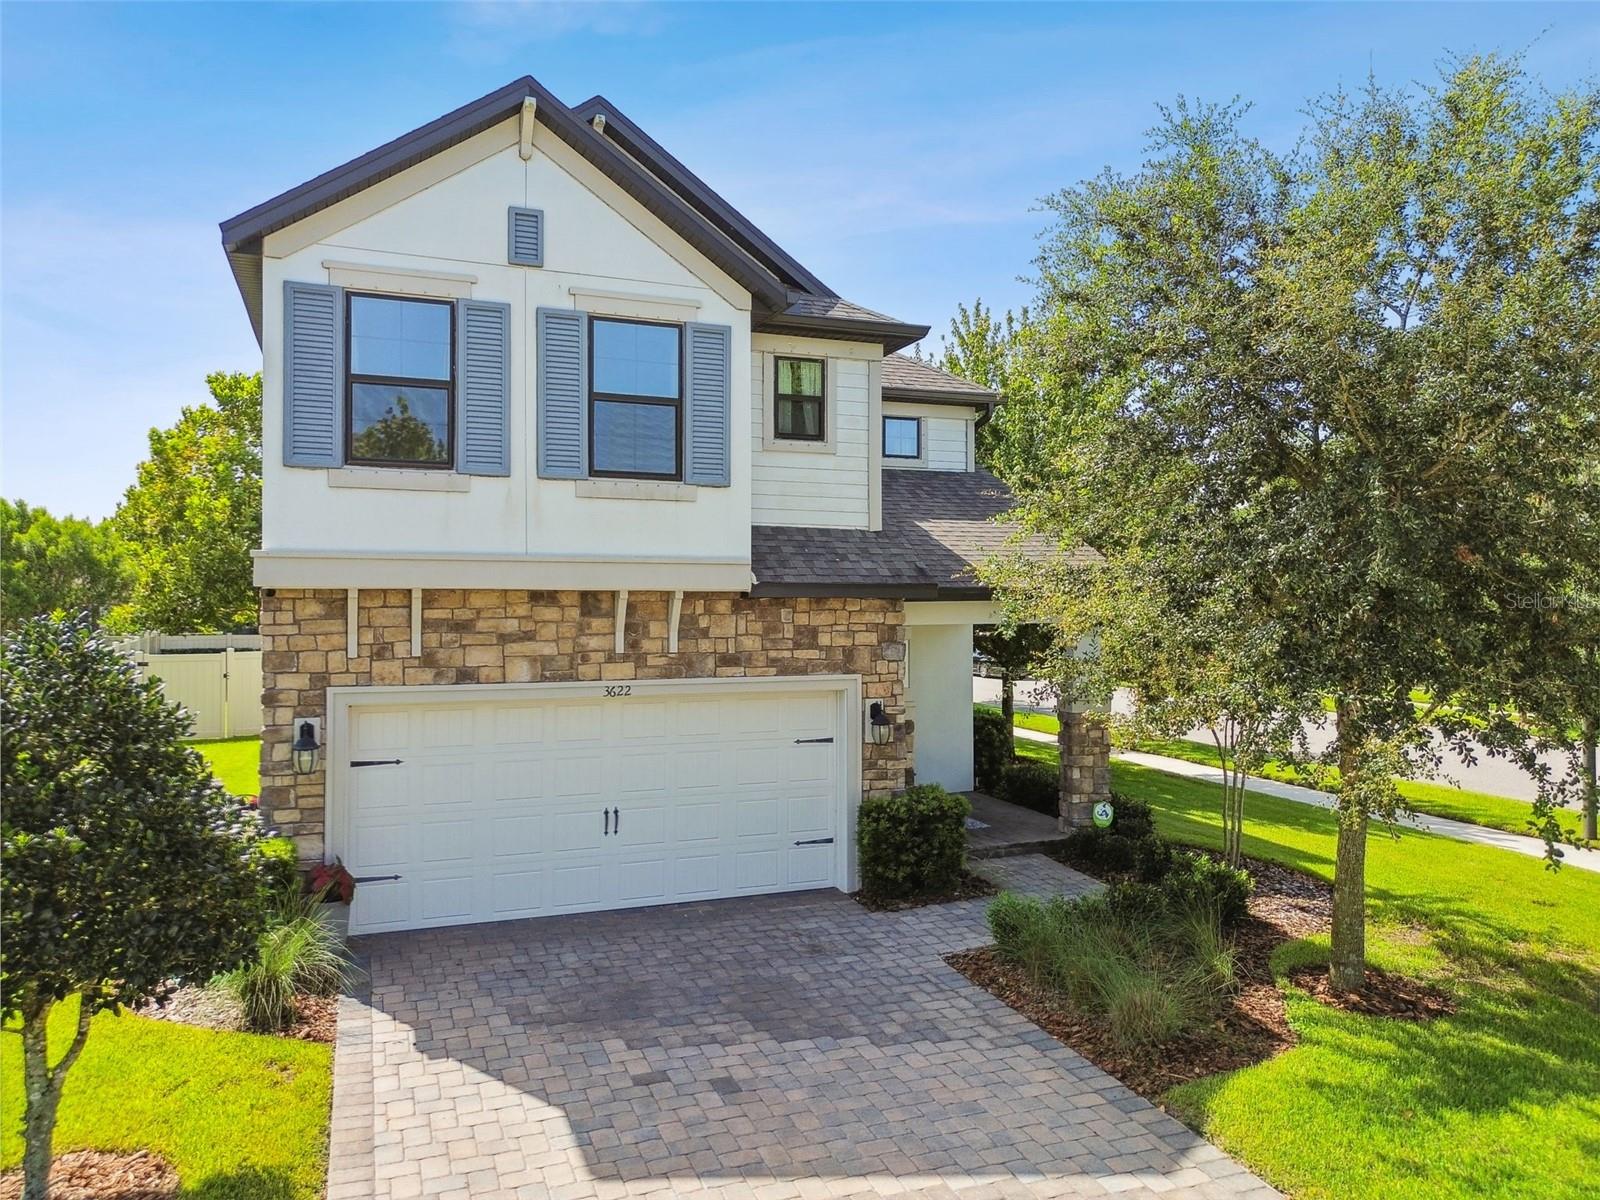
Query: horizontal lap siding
(816, 489)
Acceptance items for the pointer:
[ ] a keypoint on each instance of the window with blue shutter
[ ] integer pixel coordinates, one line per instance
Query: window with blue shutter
(483, 382)
(313, 375)
(706, 404)
(562, 394)
(525, 237)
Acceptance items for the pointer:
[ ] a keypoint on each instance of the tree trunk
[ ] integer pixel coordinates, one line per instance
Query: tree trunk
(1591, 801)
(1347, 966)
(42, 1092)
(1008, 697)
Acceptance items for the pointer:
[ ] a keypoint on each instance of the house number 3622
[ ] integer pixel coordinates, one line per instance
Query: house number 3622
(620, 689)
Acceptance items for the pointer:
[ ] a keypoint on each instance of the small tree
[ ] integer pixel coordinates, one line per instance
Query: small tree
(1013, 649)
(193, 515)
(125, 865)
(1355, 385)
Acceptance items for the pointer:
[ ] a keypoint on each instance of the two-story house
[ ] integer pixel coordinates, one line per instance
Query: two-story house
(608, 556)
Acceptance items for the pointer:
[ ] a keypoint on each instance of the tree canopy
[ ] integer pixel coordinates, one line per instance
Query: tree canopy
(194, 514)
(57, 564)
(1346, 392)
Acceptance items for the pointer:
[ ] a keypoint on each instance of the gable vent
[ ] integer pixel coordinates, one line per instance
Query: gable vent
(526, 237)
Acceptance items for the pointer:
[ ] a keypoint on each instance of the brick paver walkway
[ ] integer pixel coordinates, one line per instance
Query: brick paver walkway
(1035, 875)
(771, 1048)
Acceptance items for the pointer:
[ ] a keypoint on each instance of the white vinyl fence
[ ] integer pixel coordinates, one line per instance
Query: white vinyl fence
(217, 677)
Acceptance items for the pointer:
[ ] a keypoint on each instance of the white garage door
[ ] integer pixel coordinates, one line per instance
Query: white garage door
(499, 808)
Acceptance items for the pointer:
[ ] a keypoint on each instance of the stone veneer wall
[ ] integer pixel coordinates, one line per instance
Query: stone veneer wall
(1085, 767)
(474, 636)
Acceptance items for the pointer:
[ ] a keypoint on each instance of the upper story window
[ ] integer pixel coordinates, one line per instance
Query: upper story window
(798, 399)
(400, 391)
(635, 398)
(902, 437)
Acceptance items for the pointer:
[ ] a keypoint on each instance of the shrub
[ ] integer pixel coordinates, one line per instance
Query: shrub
(992, 747)
(1029, 784)
(299, 954)
(282, 865)
(1129, 843)
(1123, 957)
(1131, 817)
(913, 843)
(1200, 883)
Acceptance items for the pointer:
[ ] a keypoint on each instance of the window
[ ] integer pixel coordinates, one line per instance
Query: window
(799, 398)
(635, 398)
(401, 387)
(902, 437)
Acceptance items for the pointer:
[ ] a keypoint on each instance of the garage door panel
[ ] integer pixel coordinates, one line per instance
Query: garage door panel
(756, 765)
(517, 894)
(575, 830)
(446, 897)
(757, 871)
(449, 841)
(697, 822)
(446, 727)
(518, 724)
(578, 886)
(519, 835)
(504, 810)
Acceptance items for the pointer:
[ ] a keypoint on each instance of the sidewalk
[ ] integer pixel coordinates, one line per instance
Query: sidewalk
(1461, 831)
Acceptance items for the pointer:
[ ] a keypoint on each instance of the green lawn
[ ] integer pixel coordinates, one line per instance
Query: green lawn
(236, 762)
(241, 1117)
(1436, 799)
(1500, 1100)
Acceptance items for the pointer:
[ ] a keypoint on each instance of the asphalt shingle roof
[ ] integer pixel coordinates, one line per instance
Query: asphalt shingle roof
(904, 374)
(937, 525)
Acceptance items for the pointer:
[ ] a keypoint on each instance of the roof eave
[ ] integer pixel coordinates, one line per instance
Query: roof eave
(955, 399)
(891, 335)
(876, 591)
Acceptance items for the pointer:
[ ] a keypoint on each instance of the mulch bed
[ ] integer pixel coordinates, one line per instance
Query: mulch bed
(99, 1175)
(1384, 995)
(213, 1008)
(1253, 1028)
(971, 887)
(1286, 905)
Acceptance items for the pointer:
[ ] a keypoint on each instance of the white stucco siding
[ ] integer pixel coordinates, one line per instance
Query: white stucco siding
(604, 253)
(947, 436)
(798, 484)
(939, 701)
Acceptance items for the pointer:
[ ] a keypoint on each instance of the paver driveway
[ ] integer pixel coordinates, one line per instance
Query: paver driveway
(789, 1046)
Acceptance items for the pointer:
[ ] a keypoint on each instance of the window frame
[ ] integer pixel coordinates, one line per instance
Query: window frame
(623, 398)
(351, 378)
(917, 421)
(821, 399)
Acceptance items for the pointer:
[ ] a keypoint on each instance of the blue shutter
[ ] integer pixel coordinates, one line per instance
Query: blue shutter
(706, 405)
(563, 394)
(525, 236)
(313, 375)
(483, 387)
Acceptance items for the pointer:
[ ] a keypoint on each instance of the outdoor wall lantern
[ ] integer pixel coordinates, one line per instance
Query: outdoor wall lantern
(882, 726)
(306, 750)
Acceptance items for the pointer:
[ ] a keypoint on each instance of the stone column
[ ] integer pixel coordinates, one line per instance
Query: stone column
(1085, 766)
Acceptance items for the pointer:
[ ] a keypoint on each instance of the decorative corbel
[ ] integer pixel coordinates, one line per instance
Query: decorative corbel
(622, 619)
(599, 123)
(674, 612)
(530, 108)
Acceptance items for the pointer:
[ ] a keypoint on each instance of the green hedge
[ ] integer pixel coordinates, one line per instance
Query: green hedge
(1192, 883)
(992, 748)
(283, 865)
(1030, 784)
(913, 843)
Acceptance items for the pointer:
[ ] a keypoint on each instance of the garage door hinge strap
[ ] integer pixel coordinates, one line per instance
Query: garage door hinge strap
(816, 842)
(377, 762)
(810, 741)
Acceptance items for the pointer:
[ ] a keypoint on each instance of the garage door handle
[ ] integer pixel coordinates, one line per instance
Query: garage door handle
(606, 814)
(616, 820)
(373, 878)
(816, 842)
(810, 741)
(377, 762)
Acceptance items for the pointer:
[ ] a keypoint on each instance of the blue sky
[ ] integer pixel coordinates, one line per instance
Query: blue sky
(898, 150)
